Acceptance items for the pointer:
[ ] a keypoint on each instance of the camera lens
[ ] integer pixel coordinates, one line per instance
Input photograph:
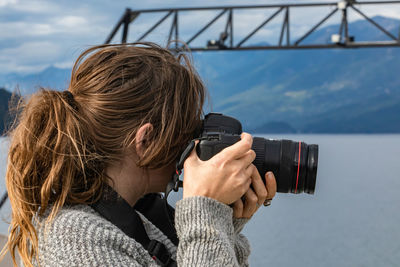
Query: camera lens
(294, 164)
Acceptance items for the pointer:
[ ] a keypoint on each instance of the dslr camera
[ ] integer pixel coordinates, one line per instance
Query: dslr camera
(293, 163)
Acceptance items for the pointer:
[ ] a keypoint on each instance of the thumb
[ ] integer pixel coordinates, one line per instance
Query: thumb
(193, 155)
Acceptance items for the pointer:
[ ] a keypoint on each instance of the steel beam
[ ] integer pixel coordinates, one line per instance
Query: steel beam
(226, 40)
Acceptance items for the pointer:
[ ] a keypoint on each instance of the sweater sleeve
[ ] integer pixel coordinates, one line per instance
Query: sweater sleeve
(207, 236)
(238, 224)
(79, 238)
(242, 246)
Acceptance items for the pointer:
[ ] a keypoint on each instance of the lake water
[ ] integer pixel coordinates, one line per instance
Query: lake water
(353, 219)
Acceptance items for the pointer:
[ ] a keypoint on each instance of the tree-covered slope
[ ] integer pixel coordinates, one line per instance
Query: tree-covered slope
(5, 98)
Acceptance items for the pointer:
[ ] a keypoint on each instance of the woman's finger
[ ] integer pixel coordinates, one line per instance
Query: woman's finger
(270, 184)
(250, 204)
(247, 158)
(238, 208)
(258, 186)
(237, 150)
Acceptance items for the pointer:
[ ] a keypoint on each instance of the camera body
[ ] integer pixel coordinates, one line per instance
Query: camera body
(294, 164)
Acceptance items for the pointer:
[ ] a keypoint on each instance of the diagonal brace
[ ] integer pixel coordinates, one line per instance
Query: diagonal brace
(285, 25)
(315, 27)
(375, 24)
(206, 26)
(259, 27)
(155, 26)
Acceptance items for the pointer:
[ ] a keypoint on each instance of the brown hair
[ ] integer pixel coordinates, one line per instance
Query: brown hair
(64, 140)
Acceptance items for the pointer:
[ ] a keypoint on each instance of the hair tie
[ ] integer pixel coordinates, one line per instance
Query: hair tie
(69, 97)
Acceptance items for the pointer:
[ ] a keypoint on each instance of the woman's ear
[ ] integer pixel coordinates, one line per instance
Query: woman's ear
(142, 138)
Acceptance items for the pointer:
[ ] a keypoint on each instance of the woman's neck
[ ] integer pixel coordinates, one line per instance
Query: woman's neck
(128, 180)
(132, 182)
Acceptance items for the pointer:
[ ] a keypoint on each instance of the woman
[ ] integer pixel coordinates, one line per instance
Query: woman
(128, 113)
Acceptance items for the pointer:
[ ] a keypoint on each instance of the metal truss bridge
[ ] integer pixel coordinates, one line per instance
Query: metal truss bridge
(227, 40)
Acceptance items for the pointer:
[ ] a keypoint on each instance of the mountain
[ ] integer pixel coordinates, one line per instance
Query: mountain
(298, 87)
(51, 77)
(274, 127)
(305, 91)
(316, 91)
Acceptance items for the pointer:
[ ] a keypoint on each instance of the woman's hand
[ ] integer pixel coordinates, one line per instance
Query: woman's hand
(225, 177)
(255, 197)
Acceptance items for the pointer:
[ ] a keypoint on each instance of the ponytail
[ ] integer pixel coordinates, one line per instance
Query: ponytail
(50, 163)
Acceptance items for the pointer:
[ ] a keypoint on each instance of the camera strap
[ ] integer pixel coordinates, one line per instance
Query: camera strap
(116, 210)
(175, 183)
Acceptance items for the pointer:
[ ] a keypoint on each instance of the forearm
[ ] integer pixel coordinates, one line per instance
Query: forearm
(206, 234)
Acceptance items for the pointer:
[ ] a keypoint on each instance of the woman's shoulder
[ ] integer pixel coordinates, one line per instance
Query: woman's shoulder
(73, 215)
(79, 234)
(78, 223)
(73, 220)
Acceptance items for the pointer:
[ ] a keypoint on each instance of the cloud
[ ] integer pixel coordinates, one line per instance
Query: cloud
(32, 7)
(339, 85)
(28, 57)
(21, 28)
(64, 65)
(4, 3)
(30, 52)
(71, 21)
(297, 94)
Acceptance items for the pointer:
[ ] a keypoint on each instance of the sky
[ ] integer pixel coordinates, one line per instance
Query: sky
(36, 34)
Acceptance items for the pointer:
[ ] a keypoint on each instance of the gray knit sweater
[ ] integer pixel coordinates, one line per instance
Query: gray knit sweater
(208, 236)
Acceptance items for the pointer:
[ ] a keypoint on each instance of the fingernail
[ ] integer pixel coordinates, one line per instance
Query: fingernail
(270, 175)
